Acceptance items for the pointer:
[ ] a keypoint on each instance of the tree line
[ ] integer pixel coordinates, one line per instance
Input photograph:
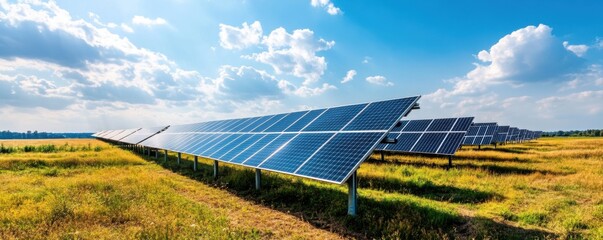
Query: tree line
(41, 135)
(575, 133)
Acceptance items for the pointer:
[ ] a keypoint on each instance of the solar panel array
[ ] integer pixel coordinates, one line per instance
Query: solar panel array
(513, 134)
(502, 133)
(480, 134)
(323, 144)
(428, 136)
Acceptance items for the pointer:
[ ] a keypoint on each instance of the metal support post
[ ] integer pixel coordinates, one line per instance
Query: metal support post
(352, 194)
(449, 161)
(382, 157)
(165, 156)
(179, 157)
(156, 153)
(195, 163)
(258, 179)
(215, 169)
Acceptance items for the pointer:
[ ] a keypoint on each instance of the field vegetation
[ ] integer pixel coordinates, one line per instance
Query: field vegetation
(546, 189)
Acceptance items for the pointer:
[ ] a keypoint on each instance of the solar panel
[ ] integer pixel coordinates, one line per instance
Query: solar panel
(428, 136)
(522, 134)
(515, 134)
(481, 134)
(123, 134)
(142, 134)
(323, 144)
(502, 133)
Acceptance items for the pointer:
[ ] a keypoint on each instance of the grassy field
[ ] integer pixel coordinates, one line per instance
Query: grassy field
(545, 189)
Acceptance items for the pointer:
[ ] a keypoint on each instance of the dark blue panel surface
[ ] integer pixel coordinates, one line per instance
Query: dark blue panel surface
(255, 147)
(196, 141)
(305, 120)
(249, 140)
(405, 142)
(463, 124)
(214, 147)
(472, 131)
(285, 122)
(262, 154)
(417, 125)
(298, 150)
(268, 123)
(444, 124)
(334, 119)
(399, 126)
(429, 142)
(468, 140)
(255, 124)
(336, 160)
(381, 115)
(451, 143)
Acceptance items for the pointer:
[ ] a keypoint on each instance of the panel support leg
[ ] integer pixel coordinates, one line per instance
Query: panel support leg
(215, 169)
(195, 163)
(156, 153)
(179, 158)
(479, 147)
(449, 161)
(165, 156)
(382, 157)
(258, 179)
(352, 194)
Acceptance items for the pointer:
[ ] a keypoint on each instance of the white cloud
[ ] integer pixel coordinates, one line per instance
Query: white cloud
(349, 76)
(304, 91)
(366, 59)
(379, 80)
(518, 82)
(579, 50)
(246, 83)
(294, 54)
(238, 38)
(327, 5)
(530, 54)
(145, 21)
(126, 28)
(575, 104)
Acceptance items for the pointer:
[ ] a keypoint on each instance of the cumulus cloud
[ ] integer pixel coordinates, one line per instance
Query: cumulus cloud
(522, 76)
(232, 37)
(145, 21)
(246, 83)
(530, 54)
(579, 50)
(294, 54)
(575, 104)
(327, 5)
(349, 76)
(101, 65)
(379, 80)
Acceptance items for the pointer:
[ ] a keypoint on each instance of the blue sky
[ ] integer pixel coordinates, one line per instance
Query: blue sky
(92, 65)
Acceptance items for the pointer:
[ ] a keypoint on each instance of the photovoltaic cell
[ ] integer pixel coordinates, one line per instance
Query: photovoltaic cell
(428, 136)
(481, 134)
(289, 157)
(334, 119)
(339, 157)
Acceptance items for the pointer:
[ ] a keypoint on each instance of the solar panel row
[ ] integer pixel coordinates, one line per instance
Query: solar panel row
(428, 136)
(323, 144)
(480, 134)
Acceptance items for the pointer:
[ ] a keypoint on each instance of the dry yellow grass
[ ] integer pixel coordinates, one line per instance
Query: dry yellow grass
(550, 188)
(115, 194)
